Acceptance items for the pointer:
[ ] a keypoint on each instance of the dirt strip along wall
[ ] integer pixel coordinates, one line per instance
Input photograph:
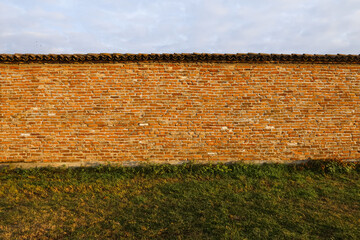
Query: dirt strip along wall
(149, 111)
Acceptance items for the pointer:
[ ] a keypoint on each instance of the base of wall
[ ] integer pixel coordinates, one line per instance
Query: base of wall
(26, 165)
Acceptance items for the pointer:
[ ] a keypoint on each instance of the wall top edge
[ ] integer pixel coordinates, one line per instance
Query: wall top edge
(179, 57)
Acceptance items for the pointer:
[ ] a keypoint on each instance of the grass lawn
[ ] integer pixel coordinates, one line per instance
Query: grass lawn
(317, 200)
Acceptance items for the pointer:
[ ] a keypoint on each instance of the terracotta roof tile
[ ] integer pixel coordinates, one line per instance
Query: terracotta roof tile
(178, 57)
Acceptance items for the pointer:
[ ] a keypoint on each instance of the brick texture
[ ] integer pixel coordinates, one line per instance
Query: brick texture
(146, 111)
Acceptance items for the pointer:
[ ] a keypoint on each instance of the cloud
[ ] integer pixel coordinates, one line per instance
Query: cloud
(221, 26)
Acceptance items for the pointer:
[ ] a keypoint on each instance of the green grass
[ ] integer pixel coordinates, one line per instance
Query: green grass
(319, 200)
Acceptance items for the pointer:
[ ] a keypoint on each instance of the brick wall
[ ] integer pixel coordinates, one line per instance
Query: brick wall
(176, 110)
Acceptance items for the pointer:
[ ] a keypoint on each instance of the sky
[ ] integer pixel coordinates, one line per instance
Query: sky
(180, 26)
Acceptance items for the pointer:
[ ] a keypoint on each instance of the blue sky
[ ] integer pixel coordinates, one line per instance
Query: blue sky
(180, 26)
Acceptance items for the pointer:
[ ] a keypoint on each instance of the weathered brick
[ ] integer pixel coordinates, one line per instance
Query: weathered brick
(179, 111)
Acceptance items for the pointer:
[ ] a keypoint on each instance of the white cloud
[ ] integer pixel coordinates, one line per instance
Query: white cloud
(227, 26)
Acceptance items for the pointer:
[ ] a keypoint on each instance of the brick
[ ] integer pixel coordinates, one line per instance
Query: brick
(178, 111)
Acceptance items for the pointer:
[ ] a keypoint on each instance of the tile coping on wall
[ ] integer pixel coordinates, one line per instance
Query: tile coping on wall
(178, 57)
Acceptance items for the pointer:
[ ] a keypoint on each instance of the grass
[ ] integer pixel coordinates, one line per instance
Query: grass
(317, 200)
